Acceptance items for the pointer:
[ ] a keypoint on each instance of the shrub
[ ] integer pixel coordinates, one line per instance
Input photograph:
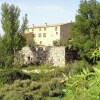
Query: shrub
(28, 96)
(35, 85)
(13, 95)
(56, 84)
(21, 83)
(35, 76)
(56, 93)
(84, 86)
(45, 89)
(77, 67)
(8, 76)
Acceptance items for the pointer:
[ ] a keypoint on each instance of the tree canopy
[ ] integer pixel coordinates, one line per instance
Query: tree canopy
(13, 39)
(86, 28)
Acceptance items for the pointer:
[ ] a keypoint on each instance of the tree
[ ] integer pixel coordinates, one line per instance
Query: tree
(86, 29)
(13, 39)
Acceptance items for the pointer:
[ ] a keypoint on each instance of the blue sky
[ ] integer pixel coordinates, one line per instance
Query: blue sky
(46, 11)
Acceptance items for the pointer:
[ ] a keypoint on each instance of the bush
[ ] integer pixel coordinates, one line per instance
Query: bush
(13, 95)
(35, 85)
(56, 93)
(21, 84)
(28, 96)
(79, 87)
(56, 84)
(45, 89)
(77, 67)
(35, 76)
(8, 76)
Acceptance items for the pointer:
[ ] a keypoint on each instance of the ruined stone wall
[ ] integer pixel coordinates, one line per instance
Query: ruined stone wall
(54, 55)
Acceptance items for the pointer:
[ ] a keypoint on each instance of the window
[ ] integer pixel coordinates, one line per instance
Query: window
(44, 28)
(34, 35)
(40, 42)
(39, 29)
(32, 29)
(44, 34)
(55, 28)
(39, 34)
(56, 33)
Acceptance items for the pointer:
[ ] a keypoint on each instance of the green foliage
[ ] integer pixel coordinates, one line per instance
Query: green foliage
(77, 67)
(53, 88)
(46, 72)
(56, 84)
(86, 29)
(51, 85)
(57, 43)
(13, 39)
(35, 85)
(13, 95)
(56, 93)
(30, 42)
(29, 90)
(84, 86)
(8, 76)
(39, 86)
(35, 76)
(95, 55)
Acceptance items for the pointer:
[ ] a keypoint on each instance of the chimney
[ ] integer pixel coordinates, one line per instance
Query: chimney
(46, 24)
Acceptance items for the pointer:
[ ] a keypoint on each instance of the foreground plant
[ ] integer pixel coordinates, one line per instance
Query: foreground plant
(84, 86)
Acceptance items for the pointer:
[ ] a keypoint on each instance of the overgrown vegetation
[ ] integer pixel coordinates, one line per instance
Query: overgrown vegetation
(9, 76)
(32, 86)
(84, 86)
(74, 81)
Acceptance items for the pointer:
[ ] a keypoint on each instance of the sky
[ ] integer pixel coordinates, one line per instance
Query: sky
(45, 11)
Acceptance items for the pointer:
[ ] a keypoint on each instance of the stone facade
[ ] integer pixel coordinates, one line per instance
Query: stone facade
(54, 55)
(26, 56)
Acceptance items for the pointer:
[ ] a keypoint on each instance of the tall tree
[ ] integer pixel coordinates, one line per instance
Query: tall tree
(13, 39)
(86, 29)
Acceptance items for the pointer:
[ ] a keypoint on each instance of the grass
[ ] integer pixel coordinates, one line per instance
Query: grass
(40, 67)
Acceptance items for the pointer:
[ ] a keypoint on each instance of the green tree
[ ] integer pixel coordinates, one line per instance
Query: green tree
(13, 39)
(86, 29)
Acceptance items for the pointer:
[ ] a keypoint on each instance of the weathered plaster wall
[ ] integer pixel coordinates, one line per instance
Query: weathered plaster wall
(54, 55)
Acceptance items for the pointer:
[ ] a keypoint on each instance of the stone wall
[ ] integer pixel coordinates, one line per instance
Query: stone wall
(54, 55)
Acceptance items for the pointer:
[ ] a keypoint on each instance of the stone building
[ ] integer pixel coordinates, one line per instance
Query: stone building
(47, 35)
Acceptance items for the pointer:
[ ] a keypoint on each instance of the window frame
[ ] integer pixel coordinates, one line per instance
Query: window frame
(56, 28)
(44, 34)
(39, 35)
